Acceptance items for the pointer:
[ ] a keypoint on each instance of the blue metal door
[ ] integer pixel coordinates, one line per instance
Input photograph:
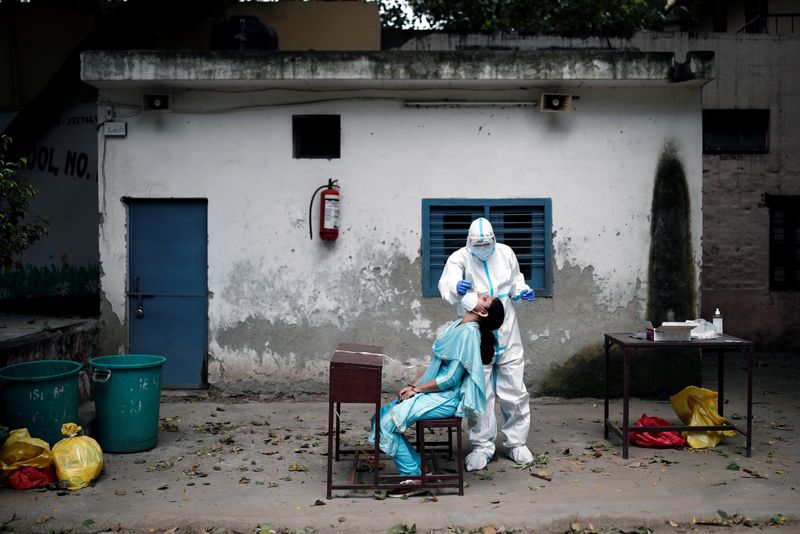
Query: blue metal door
(168, 286)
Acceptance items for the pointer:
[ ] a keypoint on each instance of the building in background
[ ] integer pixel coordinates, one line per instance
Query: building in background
(275, 304)
(205, 199)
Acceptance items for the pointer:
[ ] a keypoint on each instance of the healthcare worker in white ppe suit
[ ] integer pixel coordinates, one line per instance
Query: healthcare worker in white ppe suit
(486, 266)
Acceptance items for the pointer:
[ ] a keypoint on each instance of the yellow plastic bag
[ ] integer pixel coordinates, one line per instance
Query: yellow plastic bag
(680, 401)
(78, 459)
(21, 450)
(702, 415)
(698, 407)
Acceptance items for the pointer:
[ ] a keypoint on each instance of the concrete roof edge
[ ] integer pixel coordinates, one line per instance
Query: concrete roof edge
(136, 66)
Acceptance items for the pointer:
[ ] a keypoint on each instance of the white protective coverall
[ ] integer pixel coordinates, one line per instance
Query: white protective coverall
(500, 277)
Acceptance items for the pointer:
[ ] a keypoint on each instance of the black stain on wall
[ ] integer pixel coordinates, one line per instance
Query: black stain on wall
(671, 286)
(671, 293)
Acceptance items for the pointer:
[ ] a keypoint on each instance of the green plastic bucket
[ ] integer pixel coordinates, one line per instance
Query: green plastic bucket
(40, 396)
(127, 396)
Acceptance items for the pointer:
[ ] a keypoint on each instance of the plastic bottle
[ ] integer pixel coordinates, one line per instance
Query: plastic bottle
(718, 322)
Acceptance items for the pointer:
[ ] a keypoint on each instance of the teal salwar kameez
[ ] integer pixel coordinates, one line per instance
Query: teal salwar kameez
(458, 371)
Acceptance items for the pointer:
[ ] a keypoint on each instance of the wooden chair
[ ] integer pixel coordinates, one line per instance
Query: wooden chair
(436, 479)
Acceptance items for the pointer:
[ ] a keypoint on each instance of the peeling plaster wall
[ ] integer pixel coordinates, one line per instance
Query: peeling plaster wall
(280, 302)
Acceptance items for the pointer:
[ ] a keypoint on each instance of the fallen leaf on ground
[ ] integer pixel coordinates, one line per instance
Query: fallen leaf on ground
(778, 519)
(754, 473)
(298, 467)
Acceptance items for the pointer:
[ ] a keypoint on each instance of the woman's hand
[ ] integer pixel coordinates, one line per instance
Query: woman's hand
(406, 393)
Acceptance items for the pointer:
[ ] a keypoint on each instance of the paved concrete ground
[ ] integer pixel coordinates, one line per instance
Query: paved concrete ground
(227, 465)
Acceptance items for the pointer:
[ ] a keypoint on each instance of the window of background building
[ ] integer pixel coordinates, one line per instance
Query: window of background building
(784, 242)
(523, 224)
(735, 131)
(316, 136)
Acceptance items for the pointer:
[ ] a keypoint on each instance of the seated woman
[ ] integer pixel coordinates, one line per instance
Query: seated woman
(453, 384)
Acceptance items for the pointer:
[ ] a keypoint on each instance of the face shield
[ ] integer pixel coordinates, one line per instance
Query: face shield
(481, 240)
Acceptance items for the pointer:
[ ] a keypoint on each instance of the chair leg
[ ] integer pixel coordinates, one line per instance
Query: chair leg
(450, 442)
(421, 449)
(460, 462)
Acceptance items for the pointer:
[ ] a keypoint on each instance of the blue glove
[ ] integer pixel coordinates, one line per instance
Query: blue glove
(527, 294)
(463, 286)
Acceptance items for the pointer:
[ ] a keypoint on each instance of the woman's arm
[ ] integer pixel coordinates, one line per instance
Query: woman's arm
(451, 379)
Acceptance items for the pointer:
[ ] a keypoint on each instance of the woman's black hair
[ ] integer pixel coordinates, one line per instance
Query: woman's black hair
(490, 323)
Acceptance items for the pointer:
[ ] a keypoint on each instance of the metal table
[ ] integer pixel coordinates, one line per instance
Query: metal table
(720, 345)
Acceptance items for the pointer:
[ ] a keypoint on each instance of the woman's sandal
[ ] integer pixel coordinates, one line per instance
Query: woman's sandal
(413, 487)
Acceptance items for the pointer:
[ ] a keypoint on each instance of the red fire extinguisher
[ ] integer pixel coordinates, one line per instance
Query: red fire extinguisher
(328, 211)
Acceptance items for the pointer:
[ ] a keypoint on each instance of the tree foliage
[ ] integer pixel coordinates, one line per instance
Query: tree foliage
(535, 16)
(18, 228)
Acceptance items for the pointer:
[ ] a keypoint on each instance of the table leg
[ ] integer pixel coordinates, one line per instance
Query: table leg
(330, 448)
(338, 427)
(749, 401)
(605, 392)
(626, 385)
(721, 382)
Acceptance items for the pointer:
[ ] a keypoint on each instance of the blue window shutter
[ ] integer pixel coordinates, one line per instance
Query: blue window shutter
(446, 232)
(522, 224)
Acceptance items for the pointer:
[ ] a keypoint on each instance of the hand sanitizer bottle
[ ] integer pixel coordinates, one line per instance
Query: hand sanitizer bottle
(718, 322)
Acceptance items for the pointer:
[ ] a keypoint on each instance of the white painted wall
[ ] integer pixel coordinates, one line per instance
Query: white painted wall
(597, 164)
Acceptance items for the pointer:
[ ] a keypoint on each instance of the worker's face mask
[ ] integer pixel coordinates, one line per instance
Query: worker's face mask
(482, 252)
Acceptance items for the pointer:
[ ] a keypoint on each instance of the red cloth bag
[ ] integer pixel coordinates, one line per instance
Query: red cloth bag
(655, 439)
(31, 477)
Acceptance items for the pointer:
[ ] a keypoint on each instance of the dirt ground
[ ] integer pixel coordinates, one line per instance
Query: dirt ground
(248, 466)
